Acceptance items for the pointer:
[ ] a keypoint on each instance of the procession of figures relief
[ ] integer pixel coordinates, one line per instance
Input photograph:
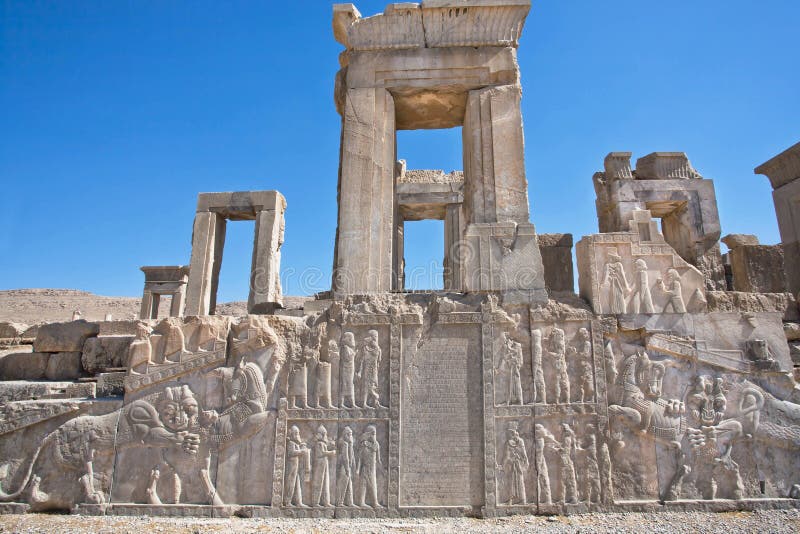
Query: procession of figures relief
(372, 406)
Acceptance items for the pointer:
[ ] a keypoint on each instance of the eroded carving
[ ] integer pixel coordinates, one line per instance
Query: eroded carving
(369, 366)
(514, 466)
(368, 460)
(510, 364)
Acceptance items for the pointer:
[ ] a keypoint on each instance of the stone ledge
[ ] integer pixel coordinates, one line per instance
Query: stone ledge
(257, 511)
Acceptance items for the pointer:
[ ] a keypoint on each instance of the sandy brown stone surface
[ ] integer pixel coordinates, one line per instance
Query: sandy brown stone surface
(770, 521)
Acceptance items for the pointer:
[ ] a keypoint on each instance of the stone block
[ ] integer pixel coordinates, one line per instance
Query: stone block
(783, 303)
(737, 240)
(758, 268)
(665, 166)
(64, 337)
(118, 328)
(556, 252)
(505, 257)
(31, 332)
(432, 24)
(450, 23)
(24, 365)
(63, 366)
(104, 352)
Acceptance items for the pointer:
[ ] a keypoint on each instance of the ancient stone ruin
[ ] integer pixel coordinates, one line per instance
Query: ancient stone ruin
(667, 383)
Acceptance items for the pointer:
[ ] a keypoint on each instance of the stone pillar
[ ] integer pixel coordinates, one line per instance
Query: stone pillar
(783, 172)
(495, 188)
(500, 251)
(178, 300)
(146, 311)
(265, 282)
(363, 257)
(208, 239)
(399, 255)
(453, 276)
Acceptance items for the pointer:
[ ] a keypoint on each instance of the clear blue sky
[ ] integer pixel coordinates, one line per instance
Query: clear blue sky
(115, 114)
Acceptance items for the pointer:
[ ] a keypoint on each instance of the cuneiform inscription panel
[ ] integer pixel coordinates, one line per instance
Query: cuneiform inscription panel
(440, 438)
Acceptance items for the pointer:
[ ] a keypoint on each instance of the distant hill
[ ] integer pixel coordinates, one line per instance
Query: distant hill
(32, 306)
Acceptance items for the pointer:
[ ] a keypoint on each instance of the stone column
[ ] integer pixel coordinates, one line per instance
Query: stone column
(265, 283)
(208, 239)
(363, 257)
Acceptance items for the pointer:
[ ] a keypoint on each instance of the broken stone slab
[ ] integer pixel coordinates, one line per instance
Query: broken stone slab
(738, 240)
(23, 365)
(103, 352)
(63, 366)
(785, 303)
(64, 337)
(24, 390)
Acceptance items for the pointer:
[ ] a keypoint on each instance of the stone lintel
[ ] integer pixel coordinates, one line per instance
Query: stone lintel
(555, 240)
(783, 168)
(165, 273)
(240, 205)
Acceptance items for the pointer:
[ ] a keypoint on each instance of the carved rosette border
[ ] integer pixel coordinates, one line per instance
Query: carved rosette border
(395, 355)
(280, 456)
(489, 446)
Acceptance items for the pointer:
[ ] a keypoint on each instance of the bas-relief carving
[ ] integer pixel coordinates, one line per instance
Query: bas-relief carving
(684, 421)
(695, 416)
(637, 273)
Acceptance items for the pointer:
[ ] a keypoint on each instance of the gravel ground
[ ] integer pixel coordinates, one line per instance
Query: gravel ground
(652, 523)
